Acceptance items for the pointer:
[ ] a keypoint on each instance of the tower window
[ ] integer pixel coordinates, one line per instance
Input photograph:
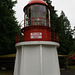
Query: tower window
(37, 15)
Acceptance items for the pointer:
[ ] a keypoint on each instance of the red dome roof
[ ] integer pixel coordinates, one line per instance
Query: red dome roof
(36, 2)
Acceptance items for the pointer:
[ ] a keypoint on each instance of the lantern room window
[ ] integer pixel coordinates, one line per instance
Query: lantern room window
(37, 15)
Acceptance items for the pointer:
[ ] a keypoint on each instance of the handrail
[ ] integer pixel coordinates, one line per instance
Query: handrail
(19, 38)
(54, 37)
(34, 21)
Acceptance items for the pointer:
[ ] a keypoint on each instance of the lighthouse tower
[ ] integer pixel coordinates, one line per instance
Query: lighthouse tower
(37, 43)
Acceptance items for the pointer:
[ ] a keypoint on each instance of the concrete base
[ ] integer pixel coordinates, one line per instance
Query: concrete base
(37, 58)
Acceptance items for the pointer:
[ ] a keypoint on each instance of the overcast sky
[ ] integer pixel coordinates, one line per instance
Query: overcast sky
(68, 6)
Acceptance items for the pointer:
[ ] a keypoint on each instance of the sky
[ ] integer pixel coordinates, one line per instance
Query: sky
(68, 6)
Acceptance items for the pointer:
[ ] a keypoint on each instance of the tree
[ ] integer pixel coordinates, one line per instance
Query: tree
(74, 32)
(65, 34)
(73, 46)
(63, 28)
(8, 27)
(71, 59)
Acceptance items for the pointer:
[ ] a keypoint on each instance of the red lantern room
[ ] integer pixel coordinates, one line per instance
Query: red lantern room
(37, 12)
(37, 25)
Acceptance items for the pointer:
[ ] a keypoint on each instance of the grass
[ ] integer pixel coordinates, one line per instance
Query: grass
(72, 67)
(6, 72)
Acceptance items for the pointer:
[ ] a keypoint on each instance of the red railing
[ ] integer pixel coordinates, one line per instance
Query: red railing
(54, 37)
(19, 38)
(35, 21)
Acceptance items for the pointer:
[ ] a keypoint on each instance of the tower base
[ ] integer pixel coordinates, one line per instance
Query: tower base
(37, 58)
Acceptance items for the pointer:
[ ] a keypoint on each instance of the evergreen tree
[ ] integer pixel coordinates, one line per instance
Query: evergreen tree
(63, 28)
(65, 34)
(73, 46)
(8, 27)
(74, 32)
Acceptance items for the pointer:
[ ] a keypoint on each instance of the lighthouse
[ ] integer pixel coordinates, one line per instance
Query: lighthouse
(37, 43)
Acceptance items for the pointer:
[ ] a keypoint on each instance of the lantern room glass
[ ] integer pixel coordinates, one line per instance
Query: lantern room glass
(37, 15)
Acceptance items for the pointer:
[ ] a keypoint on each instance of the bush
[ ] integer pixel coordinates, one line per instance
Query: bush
(71, 59)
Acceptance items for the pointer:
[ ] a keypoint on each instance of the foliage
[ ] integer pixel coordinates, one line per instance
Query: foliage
(8, 27)
(64, 31)
(71, 59)
(73, 32)
(62, 27)
(72, 67)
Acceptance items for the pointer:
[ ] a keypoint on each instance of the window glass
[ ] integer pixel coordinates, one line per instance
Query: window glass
(26, 22)
(26, 10)
(47, 14)
(26, 13)
(43, 21)
(43, 15)
(29, 22)
(37, 15)
(32, 8)
(47, 22)
(36, 7)
(29, 12)
(32, 14)
(37, 21)
(42, 8)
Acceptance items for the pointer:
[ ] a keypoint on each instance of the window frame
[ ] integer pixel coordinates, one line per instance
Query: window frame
(30, 10)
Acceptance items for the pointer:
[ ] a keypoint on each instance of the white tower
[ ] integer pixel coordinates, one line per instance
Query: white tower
(37, 47)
